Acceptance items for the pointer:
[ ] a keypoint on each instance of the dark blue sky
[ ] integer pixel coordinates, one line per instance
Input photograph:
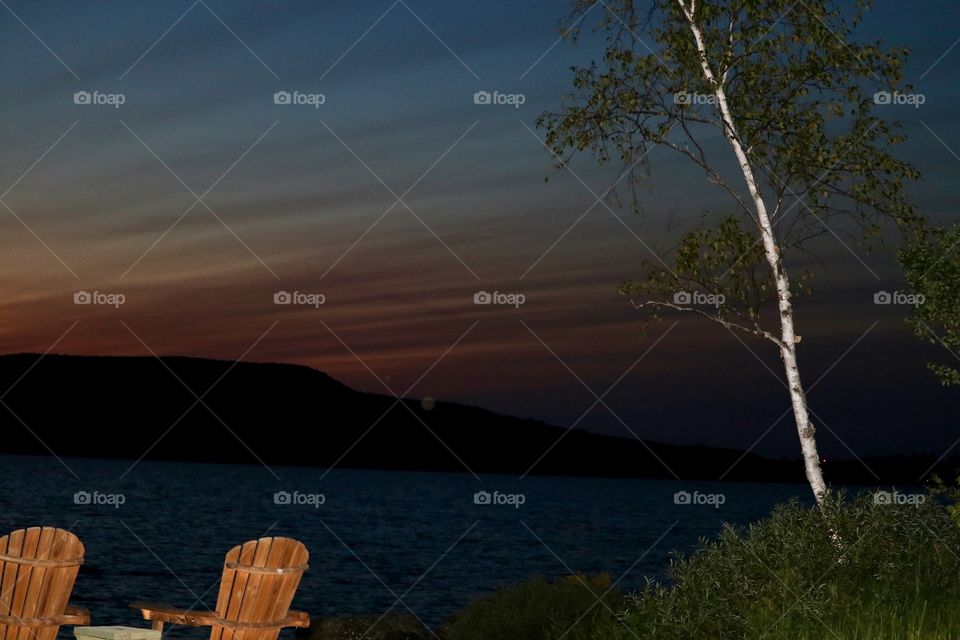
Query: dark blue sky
(297, 193)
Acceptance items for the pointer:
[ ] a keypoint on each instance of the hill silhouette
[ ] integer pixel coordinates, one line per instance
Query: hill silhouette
(133, 407)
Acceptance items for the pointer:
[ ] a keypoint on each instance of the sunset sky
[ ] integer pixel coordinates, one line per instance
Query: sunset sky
(398, 199)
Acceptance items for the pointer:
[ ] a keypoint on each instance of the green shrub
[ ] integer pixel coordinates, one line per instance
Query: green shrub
(392, 626)
(950, 494)
(857, 570)
(537, 610)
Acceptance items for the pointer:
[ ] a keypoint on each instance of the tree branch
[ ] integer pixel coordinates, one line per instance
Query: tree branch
(755, 330)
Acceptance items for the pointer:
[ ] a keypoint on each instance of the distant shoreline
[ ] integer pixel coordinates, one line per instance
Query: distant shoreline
(182, 409)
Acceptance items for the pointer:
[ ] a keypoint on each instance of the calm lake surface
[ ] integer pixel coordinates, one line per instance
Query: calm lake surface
(160, 530)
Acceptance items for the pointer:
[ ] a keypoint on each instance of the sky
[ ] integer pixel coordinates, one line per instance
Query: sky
(187, 190)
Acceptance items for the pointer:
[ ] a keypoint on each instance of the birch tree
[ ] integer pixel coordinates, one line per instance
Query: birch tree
(780, 108)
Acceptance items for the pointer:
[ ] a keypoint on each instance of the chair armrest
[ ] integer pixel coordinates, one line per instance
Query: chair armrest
(297, 619)
(161, 613)
(72, 615)
(76, 615)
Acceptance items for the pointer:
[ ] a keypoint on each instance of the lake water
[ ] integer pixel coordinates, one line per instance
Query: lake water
(160, 532)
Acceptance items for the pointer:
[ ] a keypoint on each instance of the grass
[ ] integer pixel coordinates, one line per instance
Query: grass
(857, 570)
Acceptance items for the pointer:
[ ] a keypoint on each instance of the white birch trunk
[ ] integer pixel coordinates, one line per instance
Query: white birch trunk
(788, 338)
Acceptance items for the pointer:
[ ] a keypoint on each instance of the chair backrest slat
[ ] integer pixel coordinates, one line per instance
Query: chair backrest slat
(286, 588)
(24, 576)
(232, 586)
(259, 581)
(39, 542)
(11, 545)
(38, 567)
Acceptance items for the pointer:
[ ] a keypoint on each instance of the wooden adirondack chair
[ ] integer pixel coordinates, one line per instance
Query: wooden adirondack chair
(259, 580)
(38, 567)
